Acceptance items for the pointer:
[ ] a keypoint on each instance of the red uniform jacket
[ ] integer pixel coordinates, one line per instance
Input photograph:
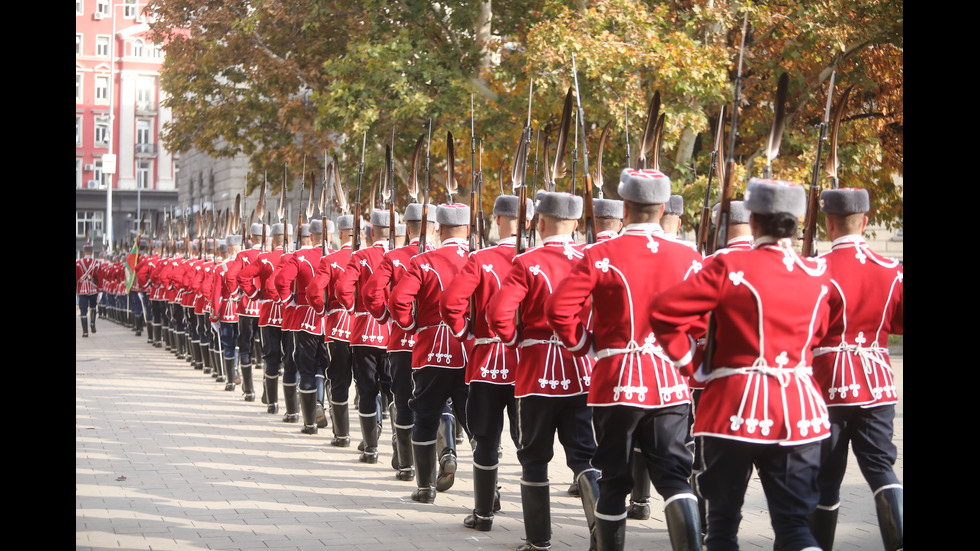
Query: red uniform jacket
(365, 329)
(322, 297)
(489, 360)
(546, 367)
(256, 281)
(420, 289)
(377, 292)
(295, 273)
(86, 276)
(851, 362)
(247, 306)
(771, 308)
(621, 276)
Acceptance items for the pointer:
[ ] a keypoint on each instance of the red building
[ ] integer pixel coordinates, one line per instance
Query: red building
(118, 112)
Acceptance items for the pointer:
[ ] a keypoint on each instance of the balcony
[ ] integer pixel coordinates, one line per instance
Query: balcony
(146, 108)
(146, 150)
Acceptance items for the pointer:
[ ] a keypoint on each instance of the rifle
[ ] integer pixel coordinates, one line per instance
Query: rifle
(704, 224)
(356, 244)
(282, 211)
(598, 168)
(626, 111)
(589, 212)
(649, 132)
(481, 216)
(534, 186)
(260, 210)
(451, 184)
(473, 189)
(517, 178)
(810, 221)
(425, 203)
(390, 170)
(778, 122)
(724, 210)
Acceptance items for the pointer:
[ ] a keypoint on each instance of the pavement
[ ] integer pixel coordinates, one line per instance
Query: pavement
(165, 459)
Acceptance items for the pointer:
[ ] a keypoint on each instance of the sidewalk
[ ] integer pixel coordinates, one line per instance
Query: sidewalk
(165, 459)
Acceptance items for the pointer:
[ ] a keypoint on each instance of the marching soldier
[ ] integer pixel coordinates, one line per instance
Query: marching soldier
(438, 359)
(376, 293)
(608, 218)
(248, 309)
(257, 283)
(336, 330)
(491, 366)
(852, 369)
(300, 324)
(671, 220)
(87, 287)
(760, 407)
(739, 232)
(552, 385)
(369, 338)
(225, 299)
(640, 402)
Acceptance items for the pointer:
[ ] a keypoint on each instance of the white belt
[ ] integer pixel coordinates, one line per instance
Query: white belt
(486, 340)
(554, 340)
(335, 310)
(780, 373)
(820, 351)
(440, 324)
(359, 314)
(645, 349)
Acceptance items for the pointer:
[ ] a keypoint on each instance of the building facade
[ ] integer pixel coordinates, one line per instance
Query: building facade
(119, 113)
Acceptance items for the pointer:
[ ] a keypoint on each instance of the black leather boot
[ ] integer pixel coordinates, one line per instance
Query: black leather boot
(610, 535)
(341, 425)
(371, 433)
(823, 525)
(590, 494)
(248, 387)
(889, 504)
(231, 367)
(683, 522)
(84, 327)
(292, 404)
(446, 444)
(425, 474)
(639, 507)
(484, 490)
(307, 403)
(272, 393)
(406, 463)
(536, 502)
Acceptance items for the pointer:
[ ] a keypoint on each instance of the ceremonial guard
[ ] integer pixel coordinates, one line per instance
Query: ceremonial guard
(376, 293)
(248, 310)
(336, 329)
(187, 300)
(257, 283)
(369, 338)
(739, 233)
(301, 327)
(608, 218)
(671, 220)
(552, 385)
(760, 407)
(640, 402)
(136, 290)
(491, 367)
(225, 298)
(175, 306)
(438, 359)
(87, 287)
(852, 368)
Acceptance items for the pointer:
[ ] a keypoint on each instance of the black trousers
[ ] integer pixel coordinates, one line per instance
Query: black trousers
(485, 409)
(433, 388)
(660, 434)
(789, 479)
(539, 419)
(311, 358)
(247, 328)
(400, 367)
(369, 366)
(869, 431)
(340, 372)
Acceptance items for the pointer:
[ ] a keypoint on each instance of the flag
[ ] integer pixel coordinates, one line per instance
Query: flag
(131, 259)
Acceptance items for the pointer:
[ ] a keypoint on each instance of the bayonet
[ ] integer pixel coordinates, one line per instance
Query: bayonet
(778, 122)
(650, 131)
(589, 213)
(356, 244)
(626, 111)
(425, 203)
(451, 185)
(715, 166)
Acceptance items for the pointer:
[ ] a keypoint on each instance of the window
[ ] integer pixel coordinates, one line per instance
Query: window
(129, 11)
(145, 88)
(79, 8)
(102, 89)
(97, 174)
(143, 174)
(78, 131)
(102, 46)
(137, 48)
(101, 133)
(88, 223)
(78, 88)
(78, 172)
(78, 44)
(143, 131)
(102, 6)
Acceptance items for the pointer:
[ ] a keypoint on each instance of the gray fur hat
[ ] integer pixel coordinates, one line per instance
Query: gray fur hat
(509, 205)
(845, 201)
(563, 206)
(772, 196)
(316, 226)
(277, 229)
(675, 205)
(608, 208)
(382, 217)
(256, 229)
(646, 187)
(400, 229)
(305, 230)
(737, 213)
(222, 246)
(345, 222)
(413, 213)
(456, 214)
(234, 240)
(331, 227)
(88, 247)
